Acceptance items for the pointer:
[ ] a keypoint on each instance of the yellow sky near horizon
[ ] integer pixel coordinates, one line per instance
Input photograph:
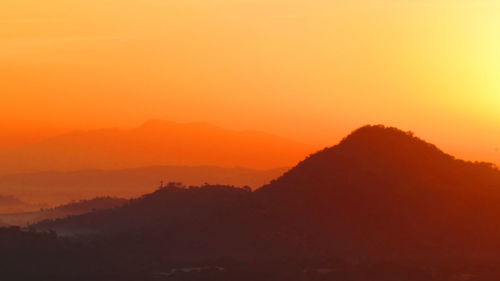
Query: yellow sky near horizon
(309, 70)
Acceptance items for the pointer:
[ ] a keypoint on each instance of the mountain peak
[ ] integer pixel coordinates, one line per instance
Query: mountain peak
(370, 133)
(380, 138)
(376, 152)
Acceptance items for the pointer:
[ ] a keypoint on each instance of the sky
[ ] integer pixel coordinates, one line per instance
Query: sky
(309, 70)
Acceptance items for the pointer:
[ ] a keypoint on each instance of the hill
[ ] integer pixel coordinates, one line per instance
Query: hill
(154, 143)
(59, 187)
(381, 193)
(9, 203)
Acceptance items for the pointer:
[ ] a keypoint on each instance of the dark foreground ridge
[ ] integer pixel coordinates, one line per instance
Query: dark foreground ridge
(381, 205)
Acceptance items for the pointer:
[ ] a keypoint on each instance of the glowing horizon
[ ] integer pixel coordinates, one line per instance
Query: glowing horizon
(307, 70)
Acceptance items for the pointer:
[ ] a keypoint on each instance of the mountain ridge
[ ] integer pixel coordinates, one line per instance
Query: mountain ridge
(154, 143)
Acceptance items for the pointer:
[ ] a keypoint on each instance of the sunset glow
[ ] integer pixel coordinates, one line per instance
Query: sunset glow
(248, 140)
(307, 70)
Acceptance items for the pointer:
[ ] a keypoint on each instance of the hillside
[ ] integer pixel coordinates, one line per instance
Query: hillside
(380, 193)
(154, 143)
(59, 187)
(197, 221)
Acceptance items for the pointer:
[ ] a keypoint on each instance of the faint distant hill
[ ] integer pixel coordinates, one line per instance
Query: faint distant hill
(59, 187)
(70, 209)
(10, 204)
(155, 143)
(9, 200)
(380, 192)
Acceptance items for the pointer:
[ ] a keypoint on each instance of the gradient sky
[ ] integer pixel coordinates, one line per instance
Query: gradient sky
(311, 70)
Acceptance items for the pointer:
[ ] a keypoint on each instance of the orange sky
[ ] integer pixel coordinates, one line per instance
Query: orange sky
(311, 70)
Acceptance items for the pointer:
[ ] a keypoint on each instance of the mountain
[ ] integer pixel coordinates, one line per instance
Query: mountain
(154, 143)
(382, 191)
(380, 194)
(182, 223)
(70, 209)
(59, 187)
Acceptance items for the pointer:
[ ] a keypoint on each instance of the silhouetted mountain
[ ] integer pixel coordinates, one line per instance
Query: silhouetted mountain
(390, 154)
(381, 193)
(58, 187)
(187, 224)
(154, 143)
(174, 212)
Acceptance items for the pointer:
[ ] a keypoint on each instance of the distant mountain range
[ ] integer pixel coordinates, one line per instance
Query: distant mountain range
(154, 143)
(381, 193)
(60, 187)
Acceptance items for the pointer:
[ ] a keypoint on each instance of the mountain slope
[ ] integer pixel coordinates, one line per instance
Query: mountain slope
(60, 187)
(390, 153)
(154, 143)
(188, 223)
(384, 190)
